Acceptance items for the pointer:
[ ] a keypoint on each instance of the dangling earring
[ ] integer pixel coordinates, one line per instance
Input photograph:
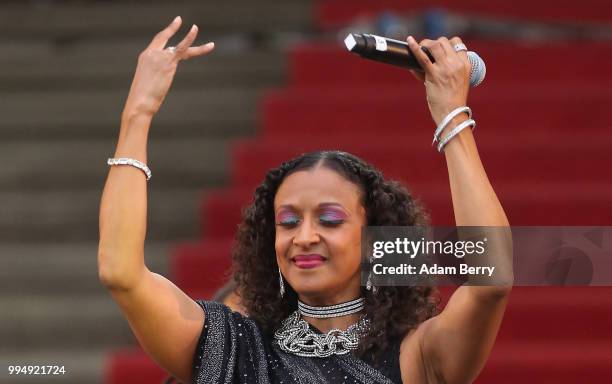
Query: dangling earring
(369, 285)
(280, 283)
(369, 282)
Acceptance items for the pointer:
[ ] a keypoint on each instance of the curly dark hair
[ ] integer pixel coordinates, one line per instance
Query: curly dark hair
(393, 311)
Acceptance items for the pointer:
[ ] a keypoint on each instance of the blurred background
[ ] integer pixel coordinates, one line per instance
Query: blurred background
(279, 83)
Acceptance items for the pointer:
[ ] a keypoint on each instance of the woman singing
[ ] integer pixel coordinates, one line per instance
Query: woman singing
(297, 256)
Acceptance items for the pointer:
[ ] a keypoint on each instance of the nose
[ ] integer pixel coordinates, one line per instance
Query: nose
(306, 234)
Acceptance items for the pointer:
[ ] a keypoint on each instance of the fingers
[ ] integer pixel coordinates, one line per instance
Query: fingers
(436, 49)
(446, 46)
(420, 56)
(183, 50)
(454, 58)
(161, 39)
(442, 51)
(456, 40)
(182, 47)
(199, 50)
(461, 55)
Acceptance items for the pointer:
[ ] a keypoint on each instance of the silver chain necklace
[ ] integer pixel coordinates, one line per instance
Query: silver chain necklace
(295, 336)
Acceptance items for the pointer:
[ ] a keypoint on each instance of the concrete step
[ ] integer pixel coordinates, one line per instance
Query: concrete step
(72, 215)
(75, 321)
(175, 162)
(81, 365)
(65, 72)
(97, 113)
(125, 49)
(104, 65)
(51, 269)
(83, 20)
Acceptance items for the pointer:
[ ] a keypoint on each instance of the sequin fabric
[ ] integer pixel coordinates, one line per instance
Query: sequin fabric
(232, 349)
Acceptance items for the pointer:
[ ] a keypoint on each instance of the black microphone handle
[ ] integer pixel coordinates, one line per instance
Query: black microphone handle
(397, 52)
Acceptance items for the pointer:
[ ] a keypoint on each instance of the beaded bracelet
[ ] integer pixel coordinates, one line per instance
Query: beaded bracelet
(455, 132)
(133, 162)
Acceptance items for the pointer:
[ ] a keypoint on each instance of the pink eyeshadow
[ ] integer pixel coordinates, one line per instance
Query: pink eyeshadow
(284, 215)
(333, 214)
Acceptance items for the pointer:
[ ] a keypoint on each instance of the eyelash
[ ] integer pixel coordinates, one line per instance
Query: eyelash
(294, 222)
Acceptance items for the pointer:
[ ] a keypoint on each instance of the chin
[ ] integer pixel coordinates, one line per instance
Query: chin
(312, 282)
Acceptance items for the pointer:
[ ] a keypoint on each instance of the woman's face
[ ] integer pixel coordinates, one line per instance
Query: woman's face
(319, 216)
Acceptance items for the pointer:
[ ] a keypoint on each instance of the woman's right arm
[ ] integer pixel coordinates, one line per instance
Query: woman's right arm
(166, 322)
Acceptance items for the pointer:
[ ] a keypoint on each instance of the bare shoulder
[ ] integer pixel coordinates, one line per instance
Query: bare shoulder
(415, 365)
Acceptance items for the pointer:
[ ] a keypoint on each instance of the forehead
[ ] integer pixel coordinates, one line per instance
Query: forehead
(310, 187)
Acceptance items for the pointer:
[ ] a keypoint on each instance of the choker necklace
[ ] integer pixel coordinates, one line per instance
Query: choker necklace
(336, 310)
(295, 337)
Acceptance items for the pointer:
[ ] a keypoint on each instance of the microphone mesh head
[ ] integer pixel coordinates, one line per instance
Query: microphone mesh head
(479, 70)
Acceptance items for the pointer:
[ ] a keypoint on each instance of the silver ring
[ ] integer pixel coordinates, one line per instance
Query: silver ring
(460, 47)
(171, 49)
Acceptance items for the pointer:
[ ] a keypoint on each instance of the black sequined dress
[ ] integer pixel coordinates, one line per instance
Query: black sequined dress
(232, 349)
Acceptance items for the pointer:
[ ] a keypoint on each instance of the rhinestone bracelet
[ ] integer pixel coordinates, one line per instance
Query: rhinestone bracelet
(455, 132)
(448, 119)
(133, 162)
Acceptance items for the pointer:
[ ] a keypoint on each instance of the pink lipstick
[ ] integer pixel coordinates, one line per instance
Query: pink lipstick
(312, 260)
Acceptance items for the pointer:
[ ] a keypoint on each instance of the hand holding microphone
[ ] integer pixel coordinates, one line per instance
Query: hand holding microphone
(398, 53)
(446, 71)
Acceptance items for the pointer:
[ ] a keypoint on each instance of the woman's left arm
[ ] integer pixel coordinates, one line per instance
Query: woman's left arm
(457, 342)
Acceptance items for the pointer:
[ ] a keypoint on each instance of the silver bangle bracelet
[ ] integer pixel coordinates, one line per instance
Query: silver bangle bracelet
(133, 162)
(448, 119)
(455, 132)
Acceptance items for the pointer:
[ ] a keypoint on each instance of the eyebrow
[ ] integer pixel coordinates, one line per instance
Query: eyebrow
(321, 205)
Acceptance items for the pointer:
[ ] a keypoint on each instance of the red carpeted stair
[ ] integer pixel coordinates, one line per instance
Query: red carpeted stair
(544, 135)
(563, 63)
(336, 13)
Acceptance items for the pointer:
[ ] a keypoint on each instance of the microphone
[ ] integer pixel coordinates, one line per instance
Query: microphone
(397, 53)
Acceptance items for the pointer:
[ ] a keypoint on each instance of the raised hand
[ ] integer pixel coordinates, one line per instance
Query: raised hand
(447, 81)
(157, 66)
